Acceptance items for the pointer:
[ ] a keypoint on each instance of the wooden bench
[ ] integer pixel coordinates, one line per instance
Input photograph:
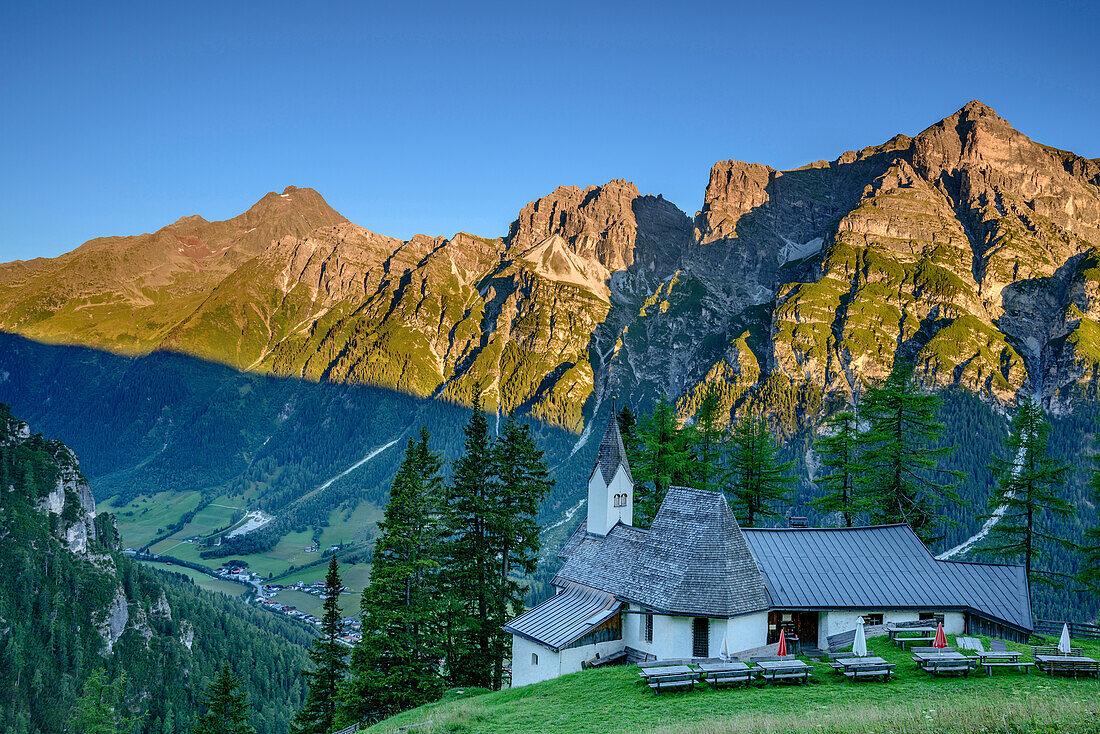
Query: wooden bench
(677, 681)
(990, 664)
(903, 641)
(1052, 650)
(1076, 668)
(799, 675)
(947, 667)
(730, 678)
(868, 670)
(932, 649)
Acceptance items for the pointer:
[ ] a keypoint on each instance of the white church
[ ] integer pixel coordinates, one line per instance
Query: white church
(694, 579)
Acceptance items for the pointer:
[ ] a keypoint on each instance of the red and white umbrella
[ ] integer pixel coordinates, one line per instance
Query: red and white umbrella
(941, 638)
(782, 643)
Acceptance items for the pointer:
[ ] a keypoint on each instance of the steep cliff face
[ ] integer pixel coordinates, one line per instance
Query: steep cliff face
(968, 249)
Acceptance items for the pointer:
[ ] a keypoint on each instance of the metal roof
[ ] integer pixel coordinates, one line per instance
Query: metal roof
(884, 567)
(692, 561)
(563, 619)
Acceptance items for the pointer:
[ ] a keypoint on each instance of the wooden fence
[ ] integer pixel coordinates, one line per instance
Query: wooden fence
(1078, 630)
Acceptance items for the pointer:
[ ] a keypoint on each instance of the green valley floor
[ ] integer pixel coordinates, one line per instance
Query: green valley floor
(614, 700)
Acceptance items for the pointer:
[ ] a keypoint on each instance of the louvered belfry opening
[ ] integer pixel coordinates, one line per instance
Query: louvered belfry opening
(700, 637)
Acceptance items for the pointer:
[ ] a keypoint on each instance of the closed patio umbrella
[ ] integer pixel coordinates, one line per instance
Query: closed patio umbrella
(859, 644)
(782, 643)
(941, 638)
(725, 653)
(1063, 641)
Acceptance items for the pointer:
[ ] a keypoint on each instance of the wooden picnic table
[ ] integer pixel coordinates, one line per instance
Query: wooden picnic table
(669, 676)
(1075, 665)
(935, 663)
(724, 674)
(919, 634)
(990, 659)
(795, 670)
(858, 668)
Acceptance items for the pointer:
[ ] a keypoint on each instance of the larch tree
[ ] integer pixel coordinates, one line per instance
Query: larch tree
(523, 482)
(227, 709)
(1089, 575)
(759, 480)
(709, 440)
(329, 663)
(664, 460)
(101, 707)
(899, 458)
(396, 664)
(838, 448)
(1028, 492)
(469, 572)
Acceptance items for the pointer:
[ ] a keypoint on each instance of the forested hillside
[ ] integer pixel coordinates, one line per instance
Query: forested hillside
(71, 605)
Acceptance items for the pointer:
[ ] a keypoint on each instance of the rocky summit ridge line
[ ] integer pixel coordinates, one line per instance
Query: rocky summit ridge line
(969, 248)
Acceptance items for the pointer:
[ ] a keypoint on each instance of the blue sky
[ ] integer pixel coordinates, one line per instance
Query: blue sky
(438, 117)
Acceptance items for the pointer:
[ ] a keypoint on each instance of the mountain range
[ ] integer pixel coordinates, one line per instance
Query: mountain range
(969, 249)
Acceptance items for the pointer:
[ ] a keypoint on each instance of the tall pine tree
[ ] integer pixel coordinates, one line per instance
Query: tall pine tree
(1089, 576)
(227, 709)
(523, 482)
(709, 440)
(898, 482)
(395, 666)
(101, 708)
(759, 482)
(329, 663)
(838, 448)
(1028, 492)
(469, 576)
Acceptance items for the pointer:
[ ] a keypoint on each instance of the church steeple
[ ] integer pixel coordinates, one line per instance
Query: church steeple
(610, 488)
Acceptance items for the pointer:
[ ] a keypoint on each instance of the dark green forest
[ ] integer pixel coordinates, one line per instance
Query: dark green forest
(56, 605)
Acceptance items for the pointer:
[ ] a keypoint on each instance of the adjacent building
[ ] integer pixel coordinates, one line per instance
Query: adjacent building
(694, 581)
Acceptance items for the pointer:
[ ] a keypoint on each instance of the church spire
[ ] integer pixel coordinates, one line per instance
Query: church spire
(612, 452)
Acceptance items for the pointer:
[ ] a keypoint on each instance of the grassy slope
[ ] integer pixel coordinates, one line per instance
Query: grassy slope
(614, 700)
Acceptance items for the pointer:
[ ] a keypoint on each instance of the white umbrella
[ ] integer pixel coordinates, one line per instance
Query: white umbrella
(859, 644)
(725, 653)
(1063, 641)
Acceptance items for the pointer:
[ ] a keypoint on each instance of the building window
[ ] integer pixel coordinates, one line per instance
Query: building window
(620, 500)
(931, 617)
(648, 631)
(700, 637)
(534, 659)
(872, 619)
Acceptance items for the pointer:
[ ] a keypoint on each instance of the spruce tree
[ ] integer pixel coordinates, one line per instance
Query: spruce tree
(838, 448)
(523, 482)
(329, 664)
(628, 429)
(227, 709)
(899, 457)
(709, 442)
(1089, 576)
(101, 707)
(759, 481)
(1029, 485)
(469, 572)
(664, 461)
(395, 666)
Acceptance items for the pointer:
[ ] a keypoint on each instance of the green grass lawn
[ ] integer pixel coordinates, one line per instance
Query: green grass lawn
(141, 520)
(221, 586)
(615, 700)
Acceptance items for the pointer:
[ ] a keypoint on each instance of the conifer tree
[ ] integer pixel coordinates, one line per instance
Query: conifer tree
(101, 707)
(469, 574)
(227, 709)
(899, 457)
(838, 448)
(523, 482)
(709, 442)
(395, 666)
(759, 480)
(329, 663)
(1029, 485)
(664, 461)
(628, 429)
(1089, 576)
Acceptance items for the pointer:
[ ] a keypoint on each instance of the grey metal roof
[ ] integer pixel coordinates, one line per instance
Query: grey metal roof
(612, 452)
(693, 560)
(884, 567)
(562, 620)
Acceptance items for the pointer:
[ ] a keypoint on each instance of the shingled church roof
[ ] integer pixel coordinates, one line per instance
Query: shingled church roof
(693, 560)
(612, 453)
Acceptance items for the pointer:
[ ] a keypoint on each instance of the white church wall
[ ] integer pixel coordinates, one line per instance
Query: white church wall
(747, 632)
(550, 664)
(837, 622)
